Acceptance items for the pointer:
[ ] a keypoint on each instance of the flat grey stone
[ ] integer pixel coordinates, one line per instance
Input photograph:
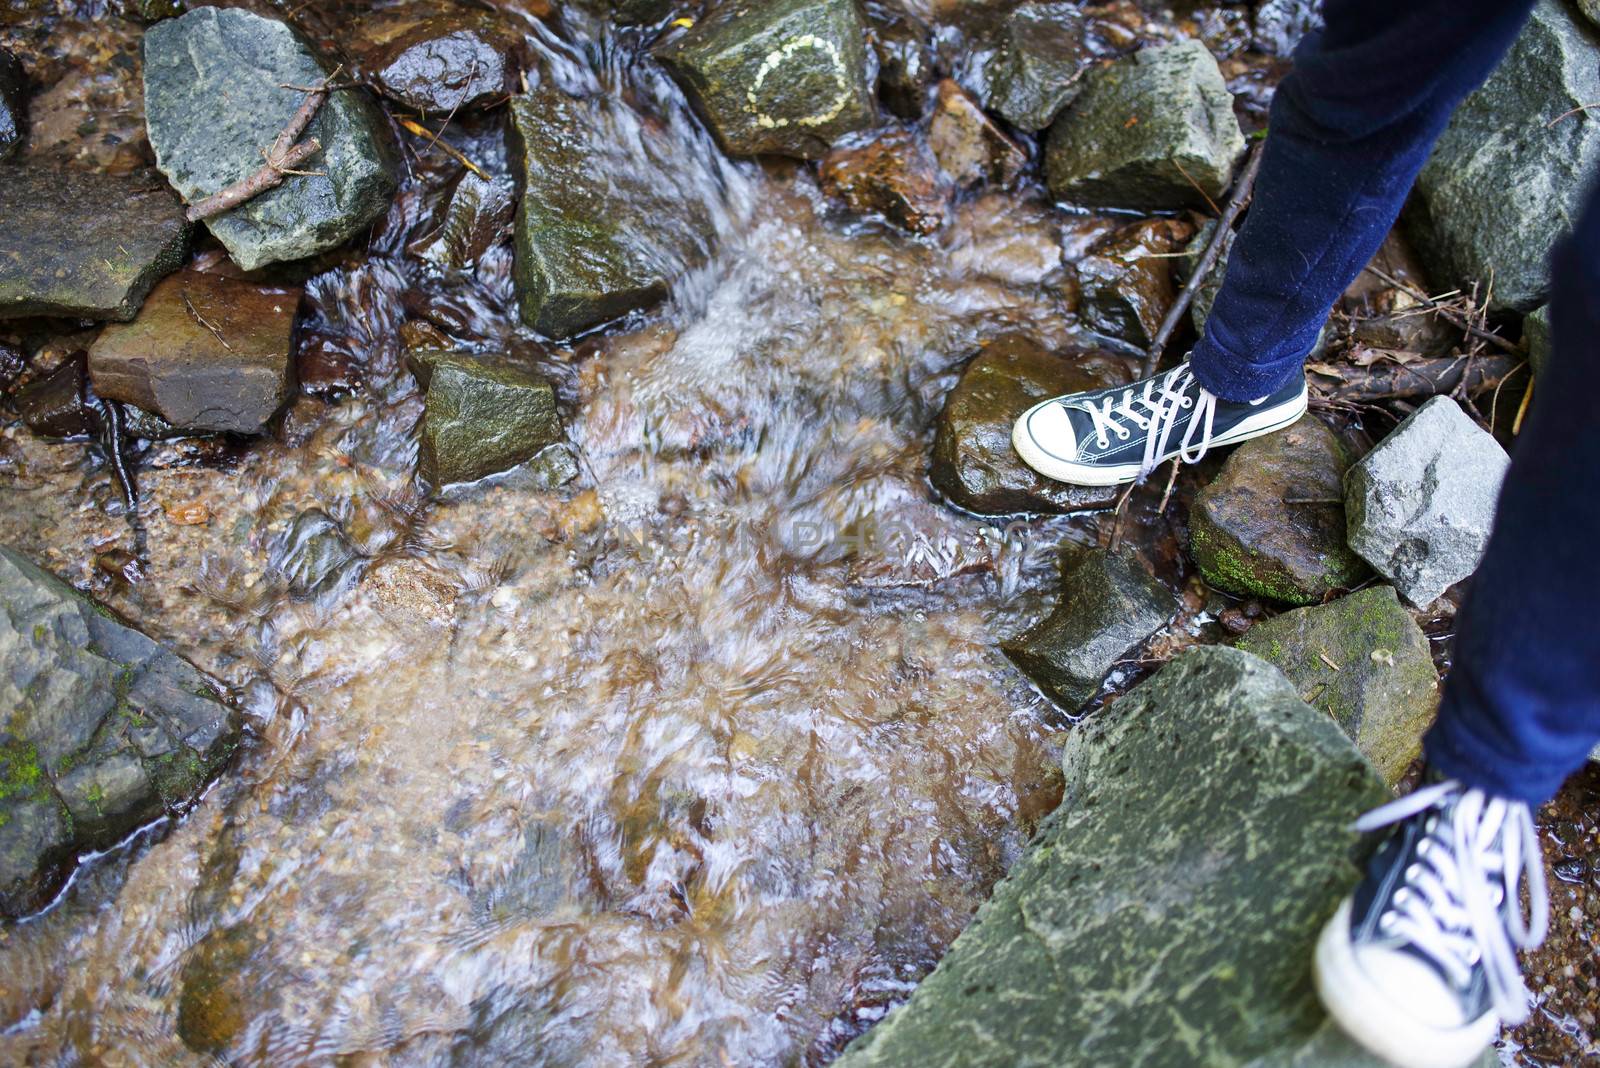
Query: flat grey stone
(1166, 912)
(1144, 131)
(215, 98)
(1506, 180)
(1420, 505)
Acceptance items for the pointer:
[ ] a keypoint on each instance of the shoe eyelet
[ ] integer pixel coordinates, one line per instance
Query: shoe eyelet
(1102, 443)
(1124, 434)
(1386, 922)
(1473, 956)
(1401, 896)
(1432, 824)
(1412, 871)
(1497, 897)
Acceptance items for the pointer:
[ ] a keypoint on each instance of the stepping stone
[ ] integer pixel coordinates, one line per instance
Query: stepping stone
(205, 353)
(1364, 661)
(1108, 606)
(970, 147)
(105, 730)
(1271, 524)
(480, 417)
(894, 176)
(215, 98)
(1421, 504)
(86, 246)
(612, 212)
(1166, 912)
(974, 464)
(786, 76)
(438, 58)
(1145, 131)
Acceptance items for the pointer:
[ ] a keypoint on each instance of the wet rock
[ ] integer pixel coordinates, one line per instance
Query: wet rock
(1505, 180)
(1536, 336)
(1420, 505)
(13, 99)
(56, 405)
(974, 464)
(1145, 131)
(1364, 661)
(315, 556)
(205, 353)
(105, 730)
(787, 76)
(609, 214)
(1038, 63)
(1125, 283)
(1280, 24)
(1271, 524)
(474, 216)
(905, 59)
(84, 245)
(640, 12)
(438, 57)
(12, 364)
(894, 176)
(1108, 605)
(214, 98)
(970, 147)
(1591, 10)
(480, 418)
(1201, 843)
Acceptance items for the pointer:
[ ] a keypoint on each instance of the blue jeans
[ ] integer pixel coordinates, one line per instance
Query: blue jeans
(1351, 126)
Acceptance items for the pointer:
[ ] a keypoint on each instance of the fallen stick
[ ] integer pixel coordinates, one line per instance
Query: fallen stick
(1420, 379)
(1449, 315)
(1236, 202)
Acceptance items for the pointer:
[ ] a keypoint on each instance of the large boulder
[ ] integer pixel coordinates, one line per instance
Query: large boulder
(781, 76)
(83, 245)
(1364, 661)
(1145, 132)
(1421, 504)
(1166, 912)
(611, 211)
(103, 730)
(215, 97)
(974, 464)
(205, 353)
(1509, 175)
(438, 57)
(13, 99)
(1271, 524)
(480, 417)
(1107, 607)
(1039, 58)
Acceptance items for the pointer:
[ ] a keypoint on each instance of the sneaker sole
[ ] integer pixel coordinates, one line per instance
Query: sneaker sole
(1115, 475)
(1372, 1019)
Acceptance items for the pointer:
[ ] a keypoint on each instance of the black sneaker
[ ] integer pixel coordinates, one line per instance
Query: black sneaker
(1419, 965)
(1110, 436)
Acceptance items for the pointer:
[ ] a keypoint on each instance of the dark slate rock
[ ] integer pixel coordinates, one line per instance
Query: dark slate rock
(214, 98)
(1038, 63)
(1505, 181)
(438, 57)
(1108, 606)
(205, 353)
(13, 101)
(104, 730)
(1420, 506)
(893, 175)
(57, 405)
(84, 245)
(1125, 283)
(1271, 523)
(480, 417)
(1202, 841)
(1364, 661)
(1097, 157)
(611, 211)
(904, 50)
(970, 147)
(783, 76)
(474, 216)
(974, 464)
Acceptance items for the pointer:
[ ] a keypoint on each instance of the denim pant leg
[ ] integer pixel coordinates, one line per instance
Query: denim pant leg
(1521, 708)
(1351, 125)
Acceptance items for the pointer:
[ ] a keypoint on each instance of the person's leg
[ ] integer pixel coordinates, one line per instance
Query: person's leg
(1351, 125)
(1521, 708)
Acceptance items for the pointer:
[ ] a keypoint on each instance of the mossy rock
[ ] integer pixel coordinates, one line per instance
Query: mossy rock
(480, 417)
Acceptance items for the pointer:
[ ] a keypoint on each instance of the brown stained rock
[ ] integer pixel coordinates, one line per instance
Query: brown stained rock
(893, 175)
(970, 147)
(1126, 283)
(205, 353)
(56, 405)
(1272, 523)
(438, 57)
(974, 464)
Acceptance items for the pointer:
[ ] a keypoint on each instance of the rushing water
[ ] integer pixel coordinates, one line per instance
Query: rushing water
(701, 759)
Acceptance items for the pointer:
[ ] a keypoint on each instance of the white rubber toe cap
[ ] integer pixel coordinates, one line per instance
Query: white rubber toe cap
(1043, 437)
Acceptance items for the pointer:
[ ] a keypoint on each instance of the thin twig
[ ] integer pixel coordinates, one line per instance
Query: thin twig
(1116, 525)
(450, 150)
(1198, 188)
(1522, 409)
(201, 319)
(1448, 315)
(1166, 494)
(270, 176)
(1569, 114)
(1236, 202)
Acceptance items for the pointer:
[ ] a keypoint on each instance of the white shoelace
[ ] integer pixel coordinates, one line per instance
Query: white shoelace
(1449, 904)
(1162, 398)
